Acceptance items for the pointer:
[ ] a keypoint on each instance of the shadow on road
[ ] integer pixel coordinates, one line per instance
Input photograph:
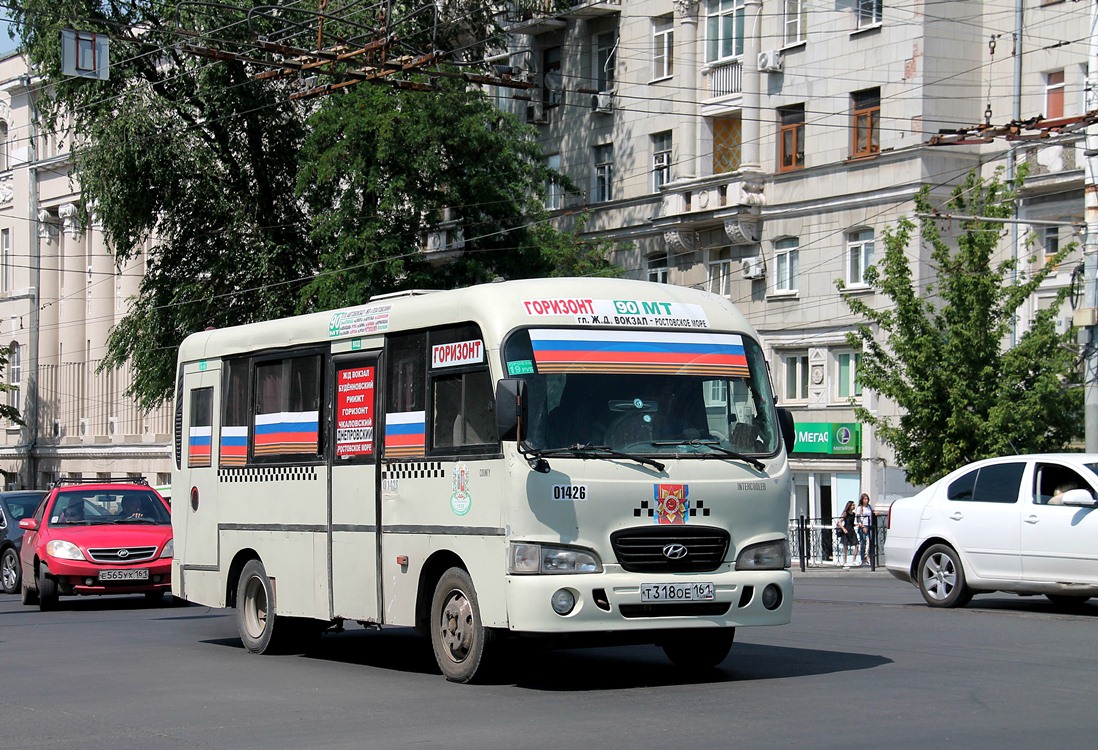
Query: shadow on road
(531, 667)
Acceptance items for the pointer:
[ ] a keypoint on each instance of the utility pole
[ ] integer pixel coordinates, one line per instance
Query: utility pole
(1086, 318)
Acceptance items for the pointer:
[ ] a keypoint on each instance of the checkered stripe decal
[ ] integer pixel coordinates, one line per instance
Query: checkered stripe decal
(268, 474)
(647, 509)
(413, 470)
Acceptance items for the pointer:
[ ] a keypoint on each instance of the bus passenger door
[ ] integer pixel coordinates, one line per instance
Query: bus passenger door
(353, 527)
(194, 503)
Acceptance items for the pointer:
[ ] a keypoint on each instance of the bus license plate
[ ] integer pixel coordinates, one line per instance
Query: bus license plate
(138, 574)
(676, 592)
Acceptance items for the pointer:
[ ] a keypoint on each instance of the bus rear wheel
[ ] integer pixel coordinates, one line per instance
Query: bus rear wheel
(261, 629)
(458, 636)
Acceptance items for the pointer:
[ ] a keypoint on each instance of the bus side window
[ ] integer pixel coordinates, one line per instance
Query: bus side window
(462, 410)
(200, 438)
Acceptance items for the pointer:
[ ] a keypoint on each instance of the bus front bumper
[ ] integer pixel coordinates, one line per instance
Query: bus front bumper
(611, 601)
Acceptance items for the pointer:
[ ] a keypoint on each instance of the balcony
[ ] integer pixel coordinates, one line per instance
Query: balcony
(540, 16)
(723, 78)
(732, 199)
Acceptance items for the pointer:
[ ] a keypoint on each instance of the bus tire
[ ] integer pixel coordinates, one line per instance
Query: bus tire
(698, 650)
(261, 629)
(458, 636)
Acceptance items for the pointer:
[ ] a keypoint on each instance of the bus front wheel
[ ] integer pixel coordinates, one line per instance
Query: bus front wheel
(458, 636)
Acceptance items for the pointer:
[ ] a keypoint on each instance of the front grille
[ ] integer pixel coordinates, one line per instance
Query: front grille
(121, 555)
(641, 550)
(687, 609)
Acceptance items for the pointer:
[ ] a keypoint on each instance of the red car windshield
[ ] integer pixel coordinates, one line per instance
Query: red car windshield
(94, 507)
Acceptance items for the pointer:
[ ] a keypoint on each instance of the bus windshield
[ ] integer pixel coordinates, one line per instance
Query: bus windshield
(653, 393)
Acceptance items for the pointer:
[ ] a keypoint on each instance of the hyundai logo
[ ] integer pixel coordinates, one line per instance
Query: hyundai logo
(674, 551)
(123, 553)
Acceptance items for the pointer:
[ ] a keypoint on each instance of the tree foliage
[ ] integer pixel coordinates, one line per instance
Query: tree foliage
(941, 351)
(246, 205)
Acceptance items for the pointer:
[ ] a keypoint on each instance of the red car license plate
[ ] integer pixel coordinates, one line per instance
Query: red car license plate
(137, 574)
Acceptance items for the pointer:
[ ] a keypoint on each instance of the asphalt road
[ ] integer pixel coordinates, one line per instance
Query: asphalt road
(864, 665)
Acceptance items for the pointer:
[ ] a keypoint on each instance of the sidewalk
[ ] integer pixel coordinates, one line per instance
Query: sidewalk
(827, 568)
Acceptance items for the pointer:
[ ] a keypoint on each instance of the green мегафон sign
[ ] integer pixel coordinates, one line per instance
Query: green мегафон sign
(829, 438)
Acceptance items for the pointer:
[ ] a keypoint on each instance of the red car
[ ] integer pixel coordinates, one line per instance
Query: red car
(108, 537)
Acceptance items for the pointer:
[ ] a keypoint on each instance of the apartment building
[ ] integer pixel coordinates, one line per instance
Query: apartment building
(759, 149)
(60, 295)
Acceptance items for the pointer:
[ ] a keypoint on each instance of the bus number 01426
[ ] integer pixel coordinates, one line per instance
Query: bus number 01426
(569, 491)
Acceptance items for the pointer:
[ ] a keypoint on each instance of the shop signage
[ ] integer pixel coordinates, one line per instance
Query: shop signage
(829, 438)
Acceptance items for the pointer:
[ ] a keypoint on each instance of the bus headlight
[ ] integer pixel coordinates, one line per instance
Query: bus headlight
(765, 556)
(534, 559)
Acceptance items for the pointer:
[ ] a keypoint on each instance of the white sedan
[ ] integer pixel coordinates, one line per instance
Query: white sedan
(1027, 524)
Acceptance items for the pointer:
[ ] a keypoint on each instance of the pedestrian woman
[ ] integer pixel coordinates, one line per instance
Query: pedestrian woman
(864, 520)
(848, 541)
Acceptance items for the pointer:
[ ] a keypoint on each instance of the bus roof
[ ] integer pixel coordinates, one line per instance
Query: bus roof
(496, 307)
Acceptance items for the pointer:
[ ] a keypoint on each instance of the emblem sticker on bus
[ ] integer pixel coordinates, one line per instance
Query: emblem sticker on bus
(570, 492)
(461, 500)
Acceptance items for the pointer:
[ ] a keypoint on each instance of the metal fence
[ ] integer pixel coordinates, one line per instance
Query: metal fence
(814, 542)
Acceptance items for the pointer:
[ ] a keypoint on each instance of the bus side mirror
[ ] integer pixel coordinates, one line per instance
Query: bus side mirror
(512, 409)
(788, 427)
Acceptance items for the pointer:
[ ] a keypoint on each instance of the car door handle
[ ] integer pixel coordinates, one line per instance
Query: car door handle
(1032, 519)
(956, 515)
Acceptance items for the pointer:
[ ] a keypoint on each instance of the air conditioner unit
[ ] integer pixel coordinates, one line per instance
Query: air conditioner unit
(83, 426)
(57, 428)
(754, 268)
(535, 114)
(770, 61)
(602, 102)
(112, 425)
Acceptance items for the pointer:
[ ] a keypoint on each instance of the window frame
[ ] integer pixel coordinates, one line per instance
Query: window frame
(1050, 239)
(848, 381)
(797, 365)
(554, 193)
(662, 150)
(795, 15)
(7, 269)
(604, 45)
(15, 377)
(604, 173)
(865, 116)
(656, 268)
(724, 29)
(663, 47)
(791, 122)
(1055, 94)
(860, 249)
(552, 78)
(719, 271)
(869, 13)
(786, 264)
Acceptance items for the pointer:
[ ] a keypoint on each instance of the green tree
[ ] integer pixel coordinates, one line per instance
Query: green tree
(188, 161)
(941, 352)
(193, 163)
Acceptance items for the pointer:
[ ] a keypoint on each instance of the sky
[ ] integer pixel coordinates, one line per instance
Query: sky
(6, 45)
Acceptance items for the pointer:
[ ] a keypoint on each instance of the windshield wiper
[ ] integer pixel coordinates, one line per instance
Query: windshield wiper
(536, 456)
(715, 445)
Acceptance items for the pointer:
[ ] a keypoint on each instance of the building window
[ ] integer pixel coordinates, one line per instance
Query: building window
(796, 377)
(859, 256)
(663, 47)
(720, 272)
(4, 162)
(15, 376)
(787, 264)
(866, 122)
(1054, 94)
(657, 269)
(796, 21)
(553, 193)
(604, 172)
(847, 380)
(605, 45)
(661, 160)
(1052, 242)
(552, 80)
(869, 13)
(5, 261)
(791, 138)
(723, 29)
(727, 144)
